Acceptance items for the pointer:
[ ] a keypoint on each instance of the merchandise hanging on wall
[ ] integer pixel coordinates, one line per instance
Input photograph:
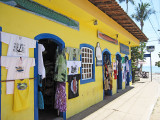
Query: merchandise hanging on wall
(73, 85)
(74, 53)
(41, 68)
(61, 67)
(114, 66)
(130, 70)
(98, 55)
(18, 68)
(60, 97)
(18, 45)
(73, 67)
(21, 95)
(123, 72)
(110, 70)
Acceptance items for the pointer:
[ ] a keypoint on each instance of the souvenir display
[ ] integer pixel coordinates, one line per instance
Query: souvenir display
(73, 67)
(107, 68)
(18, 46)
(41, 68)
(18, 68)
(74, 53)
(21, 95)
(60, 97)
(61, 67)
(73, 85)
(98, 55)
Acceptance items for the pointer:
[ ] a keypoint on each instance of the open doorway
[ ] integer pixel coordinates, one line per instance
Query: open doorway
(107, 76)
(48, 88)
(119, 71)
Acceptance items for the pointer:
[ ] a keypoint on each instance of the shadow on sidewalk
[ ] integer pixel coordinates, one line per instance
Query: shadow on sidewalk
(99, 105)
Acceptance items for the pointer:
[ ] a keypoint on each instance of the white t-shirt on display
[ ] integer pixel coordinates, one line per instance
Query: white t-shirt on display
(17, 45)
(123, 72)
(41, 68)
(73, 67)
(18, 68)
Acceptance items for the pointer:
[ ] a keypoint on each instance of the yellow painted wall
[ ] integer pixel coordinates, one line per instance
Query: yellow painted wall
(16, 21)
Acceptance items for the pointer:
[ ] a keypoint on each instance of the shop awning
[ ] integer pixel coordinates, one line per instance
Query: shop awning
(113, 10)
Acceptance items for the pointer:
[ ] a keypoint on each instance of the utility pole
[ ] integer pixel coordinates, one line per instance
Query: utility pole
(151, 66)
(150, 49)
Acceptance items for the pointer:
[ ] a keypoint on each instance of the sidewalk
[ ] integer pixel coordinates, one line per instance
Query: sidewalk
(136, 104)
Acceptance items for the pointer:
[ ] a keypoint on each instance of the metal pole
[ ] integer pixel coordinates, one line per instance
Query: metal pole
(151, 66)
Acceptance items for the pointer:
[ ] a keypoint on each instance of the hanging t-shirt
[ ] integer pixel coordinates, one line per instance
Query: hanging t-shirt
(114, 65)
(74, 53)
(21, 95)
(127, 66)
(61, 68)
(73, 67)
(115, 74)
(17, 45)
(123, 72)
(73, 86)
(41, 68)
(18, 68)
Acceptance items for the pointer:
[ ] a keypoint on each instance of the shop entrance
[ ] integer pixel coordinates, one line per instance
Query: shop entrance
(47, 86)
(119, 71)
(127, 75)
(107, 79)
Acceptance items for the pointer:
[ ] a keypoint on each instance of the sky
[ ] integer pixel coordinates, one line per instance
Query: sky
(152, 33)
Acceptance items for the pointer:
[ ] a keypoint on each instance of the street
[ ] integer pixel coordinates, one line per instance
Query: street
(136, 104)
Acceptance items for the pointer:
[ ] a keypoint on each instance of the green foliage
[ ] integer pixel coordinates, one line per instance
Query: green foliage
(137, 53)
(142, 13)
(158, 63)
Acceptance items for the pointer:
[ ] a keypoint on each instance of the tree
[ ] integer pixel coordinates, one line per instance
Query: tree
(158, 63)
(142, 13)
(131, 1)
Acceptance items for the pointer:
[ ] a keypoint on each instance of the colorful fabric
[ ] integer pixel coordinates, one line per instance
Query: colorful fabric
(123, 59)
(73, 85)
(74, 53)
(21, 95)
(60, 97)
(17, 46)
(115, 74)
(18, 68)
(106, 84)
(40, 100)
(130, 70)
(114, 66)
(61, 68)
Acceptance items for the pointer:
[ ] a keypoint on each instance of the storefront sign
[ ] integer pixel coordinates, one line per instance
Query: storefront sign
(147, 55)
(124, 49)
(107, 38)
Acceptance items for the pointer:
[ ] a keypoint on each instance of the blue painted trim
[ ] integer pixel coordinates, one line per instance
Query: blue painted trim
(61, 44)
(104, 51)
(55, 38)
(0, 71)
(36, 83)
(93, 70)
(119, 82)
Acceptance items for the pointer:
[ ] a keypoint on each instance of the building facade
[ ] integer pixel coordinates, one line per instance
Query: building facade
(77, 24)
